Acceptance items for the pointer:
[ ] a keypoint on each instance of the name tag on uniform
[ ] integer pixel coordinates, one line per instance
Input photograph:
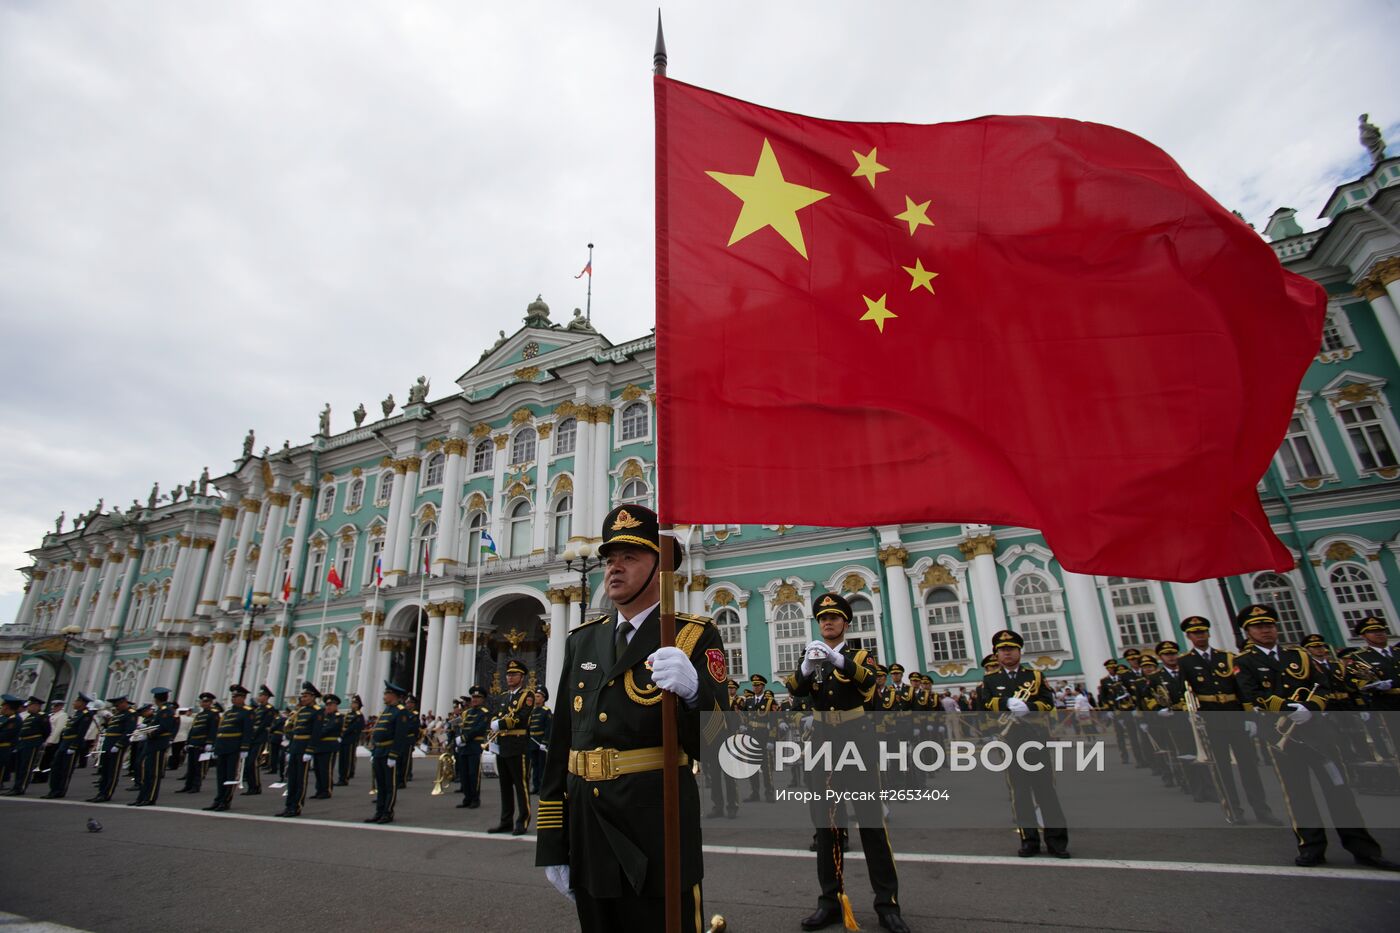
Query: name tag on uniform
(588, 666)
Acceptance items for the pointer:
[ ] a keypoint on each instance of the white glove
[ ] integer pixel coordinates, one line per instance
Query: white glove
(820, 651)
(671, 670)
(1251, 728)
(138, 737)
(1379, 685)
(496, 725)
(208, 748)
(1018, 706)
(558, 876)
(1164, 712)
(306, 757)
(460, 743)
(70, 751)
(392, 762)
(1300, 714)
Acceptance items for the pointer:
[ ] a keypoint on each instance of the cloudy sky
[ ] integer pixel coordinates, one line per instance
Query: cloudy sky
(217, 216)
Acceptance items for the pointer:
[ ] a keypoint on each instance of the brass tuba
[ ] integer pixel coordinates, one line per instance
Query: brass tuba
(446, 773)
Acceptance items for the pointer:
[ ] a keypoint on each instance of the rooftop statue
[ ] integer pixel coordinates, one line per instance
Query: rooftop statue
(155, 487)
(204, 482)
(359, 414)
(418, 392)
(325, 426)
(1372, 139)
(248, 445)
(387, 405)
(58, 523)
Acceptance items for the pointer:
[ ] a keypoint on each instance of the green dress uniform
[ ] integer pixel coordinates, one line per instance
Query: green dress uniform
(70, 746)
(9, 735)
(33, 730)
(263, 715)
(390, 745)
(203, 730)
(324, 746)
(839, 697)
(472, 728)
(113, 744)
(1278, 681)
(1030, 790)
(165, 722)
(352, 727)
(541, 723)
(512, 744)
(1381, 687)
(302, 727)
(232, 741)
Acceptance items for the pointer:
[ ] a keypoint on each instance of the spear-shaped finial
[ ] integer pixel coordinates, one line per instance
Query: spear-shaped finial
(658, 58)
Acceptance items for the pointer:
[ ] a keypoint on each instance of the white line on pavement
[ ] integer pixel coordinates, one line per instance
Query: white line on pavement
(1101, 864)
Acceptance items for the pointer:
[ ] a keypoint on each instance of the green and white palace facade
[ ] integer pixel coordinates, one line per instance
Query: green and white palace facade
(556, 424)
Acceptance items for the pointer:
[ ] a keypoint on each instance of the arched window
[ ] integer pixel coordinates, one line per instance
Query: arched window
(1134, 613)
(432, 474)
(481, 456)
(635, 491)
(565, 436)
(315, 569)
(1274, 589)
(295, 511)
(326, 503)
(345, 560)
(386, 487)
(943, 616)
(376, 555)
(475, 527)
(864, 630)
(296, 671)
(563, 521)
(356, 497)
(1036, 618)
(427, 545)
(522, 448)
(635, 421)
(790, 633)
(1355, 594)
(732, 633)
(327, 666)
(519, 531)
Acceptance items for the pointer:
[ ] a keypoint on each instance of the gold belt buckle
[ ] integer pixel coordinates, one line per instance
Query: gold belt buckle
(598, 764)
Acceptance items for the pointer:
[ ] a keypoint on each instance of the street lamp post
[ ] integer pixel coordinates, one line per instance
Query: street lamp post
(256, 607)
(582, 555)
(69, 632)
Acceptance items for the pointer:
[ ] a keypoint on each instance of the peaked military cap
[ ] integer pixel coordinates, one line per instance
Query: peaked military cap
(84, 697)
(331, 698)
(160, 691)
(1256, 614)
(1168, 647)
(119, 699)
(207, 696)
(10, 699)
(896, 668)
(1149, 659)
(392, 687)
(515, 666)
(1007, 639)
(1132, 653)
(308, 687)
(1371, 624)
(544, 691)
(757, 679)
(1195, 624)
(831, 602)
(477, 692)
(638, 526)
(238, 690)
(1110, 664)
(1314, 639)
(264, 691)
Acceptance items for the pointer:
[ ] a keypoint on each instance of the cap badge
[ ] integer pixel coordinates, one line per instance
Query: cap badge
(624, 521)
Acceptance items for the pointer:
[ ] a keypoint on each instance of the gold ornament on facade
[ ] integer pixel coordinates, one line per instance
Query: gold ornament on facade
(527, 373)
(1340, 550)
(603, 414)
(515, 638)
(455, 445)
(516, 489)
(501, 440)
(433, 446)
(228, 511)
(481, 430)
(893, 555)
(722, 598)
(937, 575)
(1386, 270)
(787, 593)
(631, 393)
(251, 504)
(306, 490)
(413, 464)
(464, 638)
(454, 607)
(400, 467)
(1353, 392)
(853, 583)
(556, 597)
(979, 546)
(476, 501)
(267, 474)
(632, 469)
(952, 669)
(699, 583)
(565, 410)
(435, 610)
(279, 499)
(521, 416)
(563, 484)
(544, 430)
(1387, 473)
(429, 513)
(328, 477)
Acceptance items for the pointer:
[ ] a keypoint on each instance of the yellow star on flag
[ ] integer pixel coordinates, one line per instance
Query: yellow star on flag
(922, 278)
(877, 312)
(867, 167)
(916, 215)
(769, 201)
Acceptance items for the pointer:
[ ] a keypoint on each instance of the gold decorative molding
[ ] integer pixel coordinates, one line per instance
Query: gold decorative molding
(267, 474)
(454, 607)
(372, 618)
(1385, 271)
(527, 373)
(952, 669)
(464, 638)
(357, 472)
(893, 555)
(400, 466)
(699, 583)
(433, 446)
(436, 610)
(481, 430)
(501, 440)
(853, 583)
(937, 575)
(476, 501)
(631, 393)
(1353, 392)
(200, 544)
(305, 490)
(722, 598)
(1340, 550)
(787, 593)
(455, 445)
(328, 477)
(228, 511)
(557, 597)
(279, 499)
(566, 410)
(251, 504)
(563, 484)
(979, 546)
(602, 414)
(429, 513)
(574, 593)
(413, 464)
(521, 416)
(544, 430)
(517, 488)
(632, 469)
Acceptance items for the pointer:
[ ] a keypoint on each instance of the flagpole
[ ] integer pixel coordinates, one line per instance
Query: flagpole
(476, 616)
(588, 312)
(670, 753)
(418, 626)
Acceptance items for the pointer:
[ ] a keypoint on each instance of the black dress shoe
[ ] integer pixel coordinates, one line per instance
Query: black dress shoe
(823, 917)
(251, 793)
(500, 828)
(213, 808)
(714, 814)
(463, 805)
(50, 797)
(98, 799)
(384, 819)
(1028, 849)
(892, 921)
(1310, 861)
(519, 830)
(1058, 853)
(320, 796)
(372, 819)
(1375, 861)
(342, 783)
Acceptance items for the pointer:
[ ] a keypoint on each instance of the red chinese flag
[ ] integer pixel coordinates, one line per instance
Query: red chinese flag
(1010, 320)
(334, 579)
(287, 587)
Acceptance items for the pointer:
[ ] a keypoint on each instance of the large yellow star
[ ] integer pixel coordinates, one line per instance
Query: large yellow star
(877, 312)
(922, 278)
(867, 167)
(769, 201)
(916, 215)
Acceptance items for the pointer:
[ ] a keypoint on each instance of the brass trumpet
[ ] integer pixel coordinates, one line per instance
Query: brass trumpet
(1285, 725)
(1007, 720)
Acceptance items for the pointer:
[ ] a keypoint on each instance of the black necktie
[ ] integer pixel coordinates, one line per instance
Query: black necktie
(620, 638)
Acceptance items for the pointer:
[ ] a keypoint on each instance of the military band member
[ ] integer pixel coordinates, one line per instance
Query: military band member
(415, 736)
(136, 761)
(9, 733)
(724, 790)
(112, 742)
(1383, 692)
(203, 730)
(841, 679)
(263, 715)
(353, 726)
(70, 746)
(34, 729)
(1149, 700)
(302, 728)
(389, 745)
(277, 744)
(233, 742)
(472, 729)
(1210, 674)
(541, 724)
(760, 707)
(1017, 691)
(325, 743)
(599, 835)
(511, 725)
(1276, 679)
(158, 733)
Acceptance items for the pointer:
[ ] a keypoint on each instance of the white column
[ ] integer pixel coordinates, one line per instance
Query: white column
(498, 494)
(1386, 315)
(542, 523)
(281, 635)
(93, 676)
(201, 565)
(218, 662)
(77, 570)
(1192, 599)
(558, 637)
(190, 685)
(432, 659)
(116, 622)
(1090, 632)
(391, 528)
(277, 503)
(31, 595)
(451, 650)
(451, 512)
(111, 571)
(602, 456)
(585, 522)
(893, 555)
(369, 650)
(233, 587)
(91, 576)
(170, 613)
(979, 546)
(404, 531)
(209, 597)
(307, 494)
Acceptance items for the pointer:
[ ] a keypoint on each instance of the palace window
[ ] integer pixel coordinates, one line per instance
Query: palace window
(376, 553)
(864, 630)
(315, 571)
(519, 530)
(327, 501)
(1355, 594)
(1274, 589)
(1338, 339)
(326, 668)
(790, 633)
(432, 475)
(386, 487)
(296, 671)
(1297, 457)
(732, 633)
(1135, 613)
(356, 497)
(482, 455)
(565, 436)
(344, 561)
(522, 448)
(636, 421)
(635, 491)
(295, 511)
(475, 528)
(563, 521)
(947, 636)
(1035, 615)
(427, 545)
(1366, 433)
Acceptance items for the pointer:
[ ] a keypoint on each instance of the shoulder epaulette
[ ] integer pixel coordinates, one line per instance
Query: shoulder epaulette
(687, 617)
(587, 622)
